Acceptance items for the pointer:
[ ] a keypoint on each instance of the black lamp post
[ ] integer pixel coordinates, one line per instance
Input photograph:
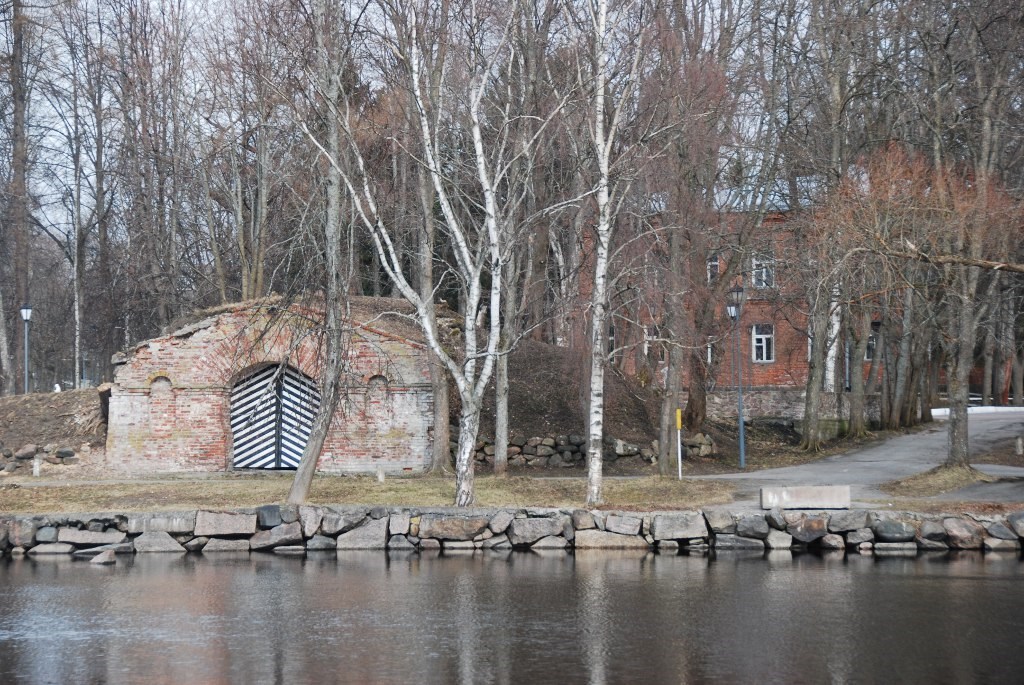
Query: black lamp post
(26, 316)
(734, 307)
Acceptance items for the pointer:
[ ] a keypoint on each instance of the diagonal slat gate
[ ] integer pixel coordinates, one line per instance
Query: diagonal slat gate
(271, 418)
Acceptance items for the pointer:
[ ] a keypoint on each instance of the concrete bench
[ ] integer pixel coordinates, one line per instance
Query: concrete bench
(806, 497)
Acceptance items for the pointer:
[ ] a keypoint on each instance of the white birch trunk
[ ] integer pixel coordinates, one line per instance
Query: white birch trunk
(599, 296)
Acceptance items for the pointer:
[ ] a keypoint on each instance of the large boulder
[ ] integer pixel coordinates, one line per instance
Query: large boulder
(807, 529)
(776, 518)
(268, 516)
(752, 526)
(778, 540)
(963, 533)
(226, 545)
(1001, 545)
(310, 517)
(833, 541)
(1016, 522)
(529, 530)
(157, 541)
(845, 521)
(399, 524)
(22, 533)
(855, 538)
(932, 530)
(500, 521)
(452, 527)
(399, 543)
(551, 542)
(601, 539)
(622, 524)
(735, 542)
(371, 535)
(105, 558)
(171, 522)
(278, 536)
(224, 524)
(335, 523)
(719, 521)
(88, 538)
(1000, 530)
(684, 525)
(321, 542)
(894, 530)
(52, 548)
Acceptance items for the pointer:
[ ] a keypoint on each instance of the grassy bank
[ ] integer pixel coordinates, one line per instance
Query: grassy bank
(224, 492)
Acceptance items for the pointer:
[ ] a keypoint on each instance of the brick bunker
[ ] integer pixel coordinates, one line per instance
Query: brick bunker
(238, 389)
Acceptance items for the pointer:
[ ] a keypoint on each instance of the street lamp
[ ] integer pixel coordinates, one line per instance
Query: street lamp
(734, 307)
(26, 316)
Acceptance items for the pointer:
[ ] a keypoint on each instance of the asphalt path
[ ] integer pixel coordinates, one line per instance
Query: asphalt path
(866, 468)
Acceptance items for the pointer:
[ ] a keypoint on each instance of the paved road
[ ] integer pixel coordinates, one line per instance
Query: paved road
(865, 469)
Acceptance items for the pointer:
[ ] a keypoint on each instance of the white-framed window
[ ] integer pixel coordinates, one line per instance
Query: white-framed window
(763, 342)
(762, 270)
(652, 343)
(713, 268)
(710, 351)
(869, 352)
(616, 352)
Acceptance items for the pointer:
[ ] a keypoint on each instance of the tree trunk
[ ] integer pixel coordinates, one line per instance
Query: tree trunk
(603, 234)
(988, 369)
(469, 425)
(667, 447)
(902, 375)
(697, 394)
(959, 450)
(441, 448)
(812, 440)
(595, 411)
(958, 370)
(501, 392)
(1018, 376)
(335, 295)
(18, 198)
(6, 362)
(858, 420)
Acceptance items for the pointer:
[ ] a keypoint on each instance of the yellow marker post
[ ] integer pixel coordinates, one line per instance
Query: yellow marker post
(679, 441)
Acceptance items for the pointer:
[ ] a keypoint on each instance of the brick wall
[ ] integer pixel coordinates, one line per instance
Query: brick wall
(169, 404)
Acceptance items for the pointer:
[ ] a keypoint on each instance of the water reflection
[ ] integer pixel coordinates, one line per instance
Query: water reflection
(593, 617)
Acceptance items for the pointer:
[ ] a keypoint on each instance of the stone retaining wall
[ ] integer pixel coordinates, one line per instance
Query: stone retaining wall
(297, 530)
(786, 405)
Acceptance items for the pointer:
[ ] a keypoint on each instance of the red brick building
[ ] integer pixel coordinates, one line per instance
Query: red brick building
(238, 389)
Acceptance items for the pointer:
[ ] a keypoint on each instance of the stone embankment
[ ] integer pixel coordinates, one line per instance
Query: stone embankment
(567, 451)
(298, 530)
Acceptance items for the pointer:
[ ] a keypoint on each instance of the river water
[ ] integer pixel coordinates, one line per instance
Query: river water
(595, 617)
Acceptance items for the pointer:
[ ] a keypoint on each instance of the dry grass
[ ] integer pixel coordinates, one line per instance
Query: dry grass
(229, 492)
(939, 480)
(946, 507)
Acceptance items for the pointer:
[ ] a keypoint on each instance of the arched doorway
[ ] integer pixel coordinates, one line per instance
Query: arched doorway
(272, 414)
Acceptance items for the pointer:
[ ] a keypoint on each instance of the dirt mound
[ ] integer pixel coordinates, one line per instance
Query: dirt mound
(548, 396)
(66, 419)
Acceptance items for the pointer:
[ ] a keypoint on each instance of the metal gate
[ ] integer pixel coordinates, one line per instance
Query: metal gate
(272, 414)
